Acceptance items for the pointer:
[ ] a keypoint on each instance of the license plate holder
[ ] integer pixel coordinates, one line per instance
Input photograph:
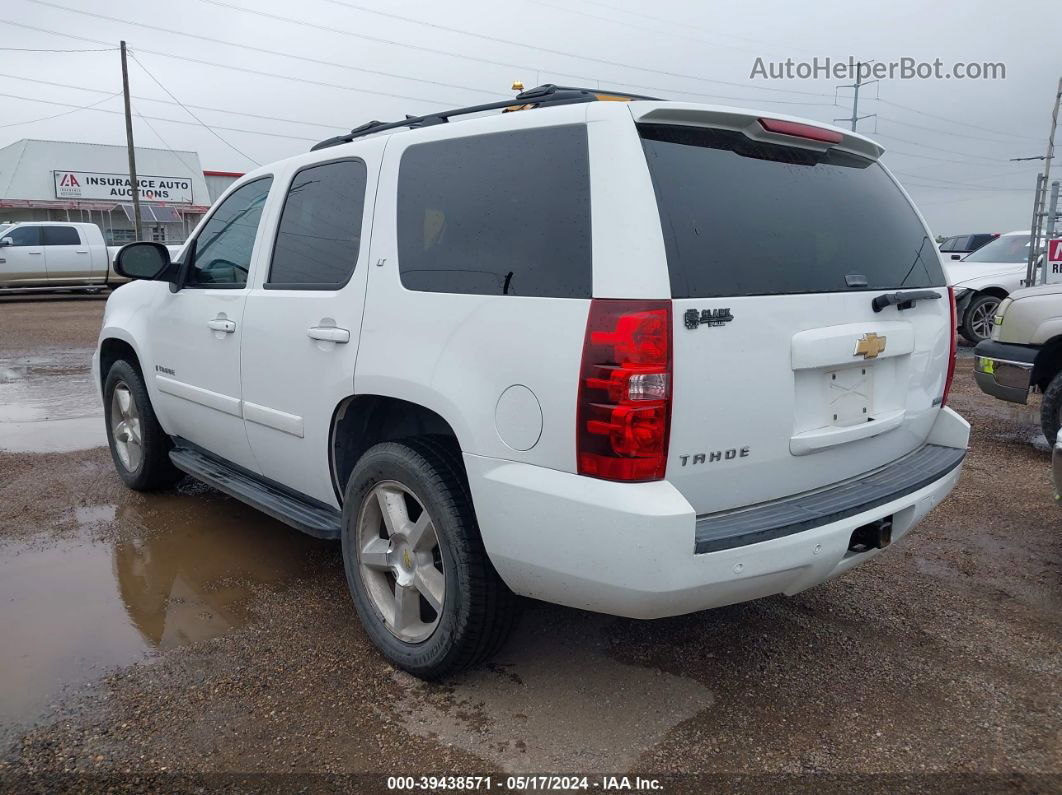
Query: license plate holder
(849, 396)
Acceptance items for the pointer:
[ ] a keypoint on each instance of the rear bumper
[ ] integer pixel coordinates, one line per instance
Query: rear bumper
(629, 549)
(1004, 370)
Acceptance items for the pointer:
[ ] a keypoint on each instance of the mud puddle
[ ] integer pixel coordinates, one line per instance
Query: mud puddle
(48, 403)
(130, 580)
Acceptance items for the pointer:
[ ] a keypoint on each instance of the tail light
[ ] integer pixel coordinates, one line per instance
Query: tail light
(954, 348)
(625, 390)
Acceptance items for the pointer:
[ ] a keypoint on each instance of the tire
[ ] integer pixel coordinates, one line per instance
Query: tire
(145, 466)
(1051, 409)
(977, 320)
(391, 574)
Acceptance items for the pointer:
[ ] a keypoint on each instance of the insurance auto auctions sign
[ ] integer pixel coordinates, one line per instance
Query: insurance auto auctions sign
(95, 185)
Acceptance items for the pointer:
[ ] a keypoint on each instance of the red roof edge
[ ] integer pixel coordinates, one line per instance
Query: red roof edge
(222, 173)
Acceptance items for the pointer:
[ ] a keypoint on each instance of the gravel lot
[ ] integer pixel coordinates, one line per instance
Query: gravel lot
(170, 641)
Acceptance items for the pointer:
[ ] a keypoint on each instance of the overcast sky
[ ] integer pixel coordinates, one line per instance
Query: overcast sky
(354, 60)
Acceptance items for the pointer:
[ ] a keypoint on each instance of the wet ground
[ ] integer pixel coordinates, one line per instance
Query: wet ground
(184, 633)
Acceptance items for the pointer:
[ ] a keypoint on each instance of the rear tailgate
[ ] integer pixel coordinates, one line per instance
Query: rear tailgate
(786, 379)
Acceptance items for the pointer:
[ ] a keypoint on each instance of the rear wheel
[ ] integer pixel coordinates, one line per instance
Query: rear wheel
(979, 317)
(139, 446)
(1051, 409)
(420, 578)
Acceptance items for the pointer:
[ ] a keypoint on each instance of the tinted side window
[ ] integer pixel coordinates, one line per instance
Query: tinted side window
(742, 217)
(499, 214)
(949, 244)
(25, 236)
(224, 247)
(320, 226)
(61, 236)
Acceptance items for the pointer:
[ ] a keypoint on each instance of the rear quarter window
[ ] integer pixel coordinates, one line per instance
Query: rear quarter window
(741, 217)
(497, 214)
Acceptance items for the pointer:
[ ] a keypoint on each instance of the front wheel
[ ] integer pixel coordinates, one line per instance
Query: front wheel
(979, 317)
(421, 581)
(1051, 409)
(139, 446)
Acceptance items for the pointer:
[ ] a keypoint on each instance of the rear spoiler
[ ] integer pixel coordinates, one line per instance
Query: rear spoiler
(760, 126)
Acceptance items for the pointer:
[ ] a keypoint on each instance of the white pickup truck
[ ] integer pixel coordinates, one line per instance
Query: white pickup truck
(45, 255)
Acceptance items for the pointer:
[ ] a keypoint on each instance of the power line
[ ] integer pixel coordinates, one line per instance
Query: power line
(156, 118)
(684, 25)
(498, 40)
(34, 49)
(190, 113)
(245, 69)
(262, 50)
(73, 109)
(191, 171)
(951, 133)
(962, 123)
(323, 125)
(937, 159)
(939, 149)
(945, 182)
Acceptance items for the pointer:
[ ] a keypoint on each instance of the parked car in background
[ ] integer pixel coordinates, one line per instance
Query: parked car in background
(48, 255)
(984, 278)
(958, 246)
(513, 354)
(1025, 353)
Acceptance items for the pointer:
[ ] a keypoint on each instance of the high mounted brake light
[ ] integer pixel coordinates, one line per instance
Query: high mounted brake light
(801, 130)
(625, 390)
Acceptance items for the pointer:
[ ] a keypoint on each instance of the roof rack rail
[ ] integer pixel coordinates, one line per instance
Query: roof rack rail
(548, 94)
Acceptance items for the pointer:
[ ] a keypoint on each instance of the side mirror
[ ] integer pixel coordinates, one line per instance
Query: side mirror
(144, 260)
(7, 241)
(956, 256)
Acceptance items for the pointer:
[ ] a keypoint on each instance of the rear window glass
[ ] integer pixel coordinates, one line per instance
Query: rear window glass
(497, 214)
(61, 236)
(746, 218)
(1009, 248)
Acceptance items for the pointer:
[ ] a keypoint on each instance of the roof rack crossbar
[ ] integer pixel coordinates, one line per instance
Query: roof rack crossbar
(548, 94)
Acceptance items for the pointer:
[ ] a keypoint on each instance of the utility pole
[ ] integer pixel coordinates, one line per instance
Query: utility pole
(133, 184)
(1052, 217)
(1040, 200)
(855, 118)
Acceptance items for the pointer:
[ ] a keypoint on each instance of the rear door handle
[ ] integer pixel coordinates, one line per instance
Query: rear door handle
(219, 324)
(328, 333)
(81, 251)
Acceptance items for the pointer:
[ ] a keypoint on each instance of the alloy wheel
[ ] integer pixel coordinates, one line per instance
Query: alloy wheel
(400, 561)
(126, 428)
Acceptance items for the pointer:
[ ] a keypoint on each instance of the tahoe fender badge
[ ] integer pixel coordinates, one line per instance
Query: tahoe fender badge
(707, 317)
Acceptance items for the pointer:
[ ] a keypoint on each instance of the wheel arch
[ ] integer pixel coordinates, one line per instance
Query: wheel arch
(113, 348)
(361, 421)
(1048, 363)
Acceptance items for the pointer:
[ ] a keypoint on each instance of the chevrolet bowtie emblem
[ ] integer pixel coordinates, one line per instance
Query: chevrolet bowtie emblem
(869, 345)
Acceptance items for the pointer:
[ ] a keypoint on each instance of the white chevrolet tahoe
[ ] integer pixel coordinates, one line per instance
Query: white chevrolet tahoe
(636, 357)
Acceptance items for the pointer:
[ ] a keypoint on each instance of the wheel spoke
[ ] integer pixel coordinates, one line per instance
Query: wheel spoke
(374, 554)
(124, 400)
(407, 607)
(134, 432)
(429, 581)
(392, 509)
(421, 534)
(121, 432)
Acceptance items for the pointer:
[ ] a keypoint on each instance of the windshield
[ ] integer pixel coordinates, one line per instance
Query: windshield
(742, 217)
(1009, 248)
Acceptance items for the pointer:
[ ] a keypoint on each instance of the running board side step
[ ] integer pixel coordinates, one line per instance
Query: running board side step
(314, 519)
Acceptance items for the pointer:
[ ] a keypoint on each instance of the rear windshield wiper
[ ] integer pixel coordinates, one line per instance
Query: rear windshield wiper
(902, 300)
